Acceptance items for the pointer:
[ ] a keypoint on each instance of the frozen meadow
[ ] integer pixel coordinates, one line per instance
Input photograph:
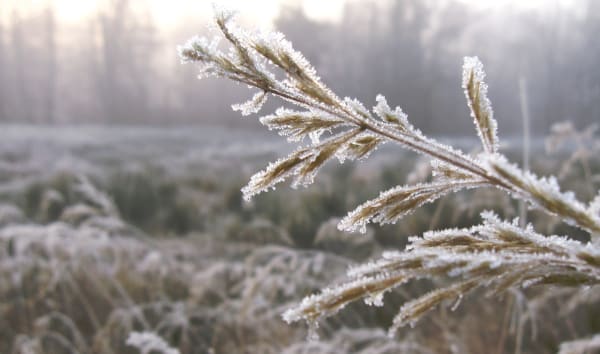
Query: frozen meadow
(115, 239)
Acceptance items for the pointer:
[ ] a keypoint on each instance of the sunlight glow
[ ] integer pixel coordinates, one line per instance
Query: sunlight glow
(66, 11)
(72, 11)
(319, 10)
(261, 13)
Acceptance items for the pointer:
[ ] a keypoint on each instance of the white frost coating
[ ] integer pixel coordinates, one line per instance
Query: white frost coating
(150, 342)
(397, 202)
(539, 191)
(396, 116)
(224, 13)
(405, 317)
(274, 40)
(96, 197)
(356, 106)
(487, 132)
(496, 246)
(492, 224)
(278, 44)
(457, 303)
(359, 147)
(580, 346)
(442, 171)
(251, 106)
(257, 184)
(375, 299)
(330, 295)
(595, 206)
(190, 45)
(198, 46)
(296, 125)
(495, 253)
(366, 268)
(530, 282)
(280, 47)
(385, 203)
(303, 164)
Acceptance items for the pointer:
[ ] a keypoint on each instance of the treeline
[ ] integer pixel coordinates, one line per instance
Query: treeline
(120, 67)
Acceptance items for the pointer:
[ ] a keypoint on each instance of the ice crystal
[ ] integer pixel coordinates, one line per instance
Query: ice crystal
(303, 164)
(149, 342)
(356, 106)
(359, 147)
(412, 310)
(331, 300)
(497, 254)
(396, 117)
(251, 106)
(544, 193)
(581, 346)
(397, 202)
(480, 105)
(375, 299)
(296, 125)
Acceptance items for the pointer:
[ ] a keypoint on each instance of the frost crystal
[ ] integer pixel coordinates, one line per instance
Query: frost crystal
(396, 117)
(481, 107)
(296, 125)
(397, 202)
(544, 193)
(251, 106)
(356, 106)
(581, 346)
(375, 300)
(477, 255)
(149, 343)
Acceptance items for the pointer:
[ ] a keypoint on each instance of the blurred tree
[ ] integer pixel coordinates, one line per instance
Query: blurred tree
(588, 76)
(120, 66)
(3, 64)
(51, 64)
(123, 80)
(22, 103)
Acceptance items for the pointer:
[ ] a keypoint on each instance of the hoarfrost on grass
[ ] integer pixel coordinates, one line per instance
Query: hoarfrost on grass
(481, 108)
(496, 254)
(580, 346)
(149, 343)
(251, 106)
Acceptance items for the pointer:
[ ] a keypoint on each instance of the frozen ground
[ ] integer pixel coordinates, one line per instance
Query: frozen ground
(109, 230)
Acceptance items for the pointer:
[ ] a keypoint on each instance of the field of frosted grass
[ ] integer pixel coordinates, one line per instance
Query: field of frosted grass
(106, 231)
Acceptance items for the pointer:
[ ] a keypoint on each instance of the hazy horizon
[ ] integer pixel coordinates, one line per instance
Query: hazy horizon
(114, 61)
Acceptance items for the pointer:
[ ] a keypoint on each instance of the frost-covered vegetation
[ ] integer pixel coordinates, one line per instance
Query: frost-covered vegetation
(146, 231)
(497, 255)
(138, 240)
